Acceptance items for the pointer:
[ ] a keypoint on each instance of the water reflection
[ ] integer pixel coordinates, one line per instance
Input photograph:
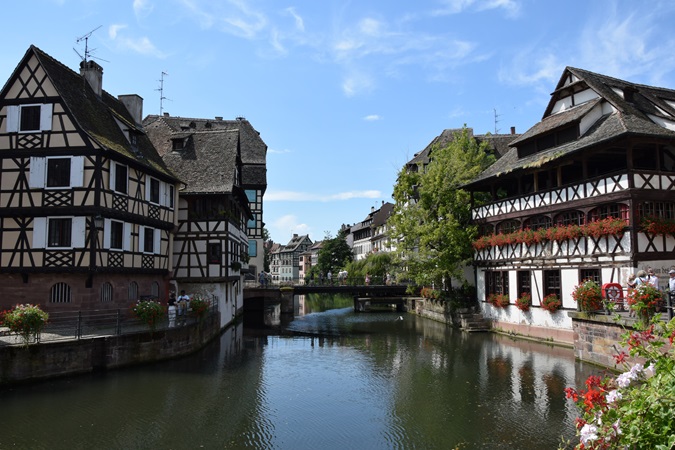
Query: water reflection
(332, 379)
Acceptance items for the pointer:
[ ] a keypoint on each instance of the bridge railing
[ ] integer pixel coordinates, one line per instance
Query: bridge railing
(323, 281)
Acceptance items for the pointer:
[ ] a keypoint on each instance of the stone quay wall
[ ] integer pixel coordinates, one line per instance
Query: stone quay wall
(54, 359)
(597, 337)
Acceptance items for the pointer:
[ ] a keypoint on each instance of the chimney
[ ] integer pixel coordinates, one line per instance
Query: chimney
(93, 73)
(513, 130)
(219, 117)
(372, 209)
(166, 114)
(134, 104)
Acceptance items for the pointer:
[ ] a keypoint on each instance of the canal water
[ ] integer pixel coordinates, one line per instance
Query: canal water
(328, 379)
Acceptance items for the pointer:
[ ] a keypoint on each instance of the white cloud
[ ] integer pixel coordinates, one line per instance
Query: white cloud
(299, 23)
(287, 225)
(372, 118)
(293, 196)
(141, 45)
(357, 82)
(511, 7)
(233, 17)
(274, 150)
(142, 8)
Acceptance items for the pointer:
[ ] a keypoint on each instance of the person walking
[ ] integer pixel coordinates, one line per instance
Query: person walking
(183, 301)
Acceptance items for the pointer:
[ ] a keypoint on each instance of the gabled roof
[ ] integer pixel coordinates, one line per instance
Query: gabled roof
(498, 142)
(295, 242)
(252, 149)
(382, 215)
(95, 115)
(631, 107)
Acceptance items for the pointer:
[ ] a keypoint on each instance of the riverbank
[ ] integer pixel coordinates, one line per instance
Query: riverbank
(20, 363)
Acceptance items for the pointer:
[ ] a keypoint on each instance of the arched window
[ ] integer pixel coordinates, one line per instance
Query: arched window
(569, 218)
(508, 226)
(616, 210)
(133, 291)
(106, 292)
(662, 210)
(60, 293)
(155, 289)
(537, 222)
(484, 229)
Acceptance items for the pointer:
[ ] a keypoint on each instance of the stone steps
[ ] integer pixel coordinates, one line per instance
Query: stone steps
(473, 322)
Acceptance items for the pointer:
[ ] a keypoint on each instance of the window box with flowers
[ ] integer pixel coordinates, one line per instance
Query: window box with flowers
(657, 225)
(551, 303)
(524, 302)
(588, 296)
(499, 300)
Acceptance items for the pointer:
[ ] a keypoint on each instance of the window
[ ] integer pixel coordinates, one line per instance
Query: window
(589, 274)
(171, 195)
(508, 226)
(537, 222)
(59, 232)
(133, 290)
(252, 248)
(524, 282)
(214, 253)
(154, 289)
(120, 178)
(60, 293)
(106, 292)
(154, 191)
(250, 195)
(569, 218)
(615, 210)
(116, 235)
(496, 282)
(552, 283)
(148, 240)
(29, 118)
(251, 223)
(177, 145)
(662, 210)
(58, 172)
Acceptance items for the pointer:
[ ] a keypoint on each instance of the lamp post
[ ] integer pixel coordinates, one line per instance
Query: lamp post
(98, 222)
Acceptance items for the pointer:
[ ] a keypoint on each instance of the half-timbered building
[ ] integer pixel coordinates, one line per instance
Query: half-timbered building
(86, 203)
(211, 248)
(587, 193)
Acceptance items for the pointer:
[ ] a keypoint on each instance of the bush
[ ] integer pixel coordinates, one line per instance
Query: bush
(149, 311)
(27, 321)
(635, 409)
(645, 299)
(551, 303)
(199, 306)
(588, 296)
(524, 302)
(499, 300)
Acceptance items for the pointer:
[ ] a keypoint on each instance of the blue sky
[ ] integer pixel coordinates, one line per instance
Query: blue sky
(345, 92)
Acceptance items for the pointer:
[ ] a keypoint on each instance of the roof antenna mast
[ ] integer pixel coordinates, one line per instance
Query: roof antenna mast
(497, 116)
(161, 93)
(87, 51)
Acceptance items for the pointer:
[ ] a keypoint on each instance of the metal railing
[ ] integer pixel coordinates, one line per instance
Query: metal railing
(77, 325)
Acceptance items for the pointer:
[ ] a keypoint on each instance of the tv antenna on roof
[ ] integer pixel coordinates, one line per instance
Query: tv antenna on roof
(161, 93)
(87, 51)
(496, 120)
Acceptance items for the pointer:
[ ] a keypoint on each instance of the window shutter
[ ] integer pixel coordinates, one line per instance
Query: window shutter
(79, 232)
(37, 172)
(113, 171)
(141, 238)
(77, 171)
(12, 118)
(147, 187)
(46, 117)
(39, 232)
(158, 241)
(126, 237)
(106, 233)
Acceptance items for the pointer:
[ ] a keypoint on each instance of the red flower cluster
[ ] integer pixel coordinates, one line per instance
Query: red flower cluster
(428, 292)
(551, 303)
(657, 225)
(597, 228)
(524, 302)
(499, 300)
(588, 295)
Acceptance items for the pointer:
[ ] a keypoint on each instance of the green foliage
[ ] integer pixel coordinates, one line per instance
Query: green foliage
(26, 320)
(377, 265)
(431, 223)
(199, 306)
(335, 253)
(149, 311)
(635, 409)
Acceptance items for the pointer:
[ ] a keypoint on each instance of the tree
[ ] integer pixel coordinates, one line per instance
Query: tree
(334, 253)
(267, 244)
(431, 222)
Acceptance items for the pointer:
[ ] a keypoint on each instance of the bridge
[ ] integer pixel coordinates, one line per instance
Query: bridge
(260, 297)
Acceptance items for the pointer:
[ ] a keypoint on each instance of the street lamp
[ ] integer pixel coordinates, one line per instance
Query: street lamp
(98, 222)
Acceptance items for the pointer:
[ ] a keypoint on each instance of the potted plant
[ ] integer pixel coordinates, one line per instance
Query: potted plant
(524, 302)
(26, 321)
(645, 299)
(149, 311)
(235, 265)
(588, 296)
(551, 303)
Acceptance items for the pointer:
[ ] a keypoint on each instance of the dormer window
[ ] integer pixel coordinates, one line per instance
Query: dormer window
(177, 145)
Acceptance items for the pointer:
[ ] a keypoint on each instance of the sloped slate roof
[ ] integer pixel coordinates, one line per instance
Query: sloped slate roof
(253, 150)
(630, 118)
(382, 215)
(498, 142)
(95, 115)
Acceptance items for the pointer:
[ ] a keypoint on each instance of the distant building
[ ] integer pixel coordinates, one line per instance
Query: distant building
(87, 205)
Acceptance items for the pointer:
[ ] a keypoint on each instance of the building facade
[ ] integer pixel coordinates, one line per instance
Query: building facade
(584, 194)
(87, 206)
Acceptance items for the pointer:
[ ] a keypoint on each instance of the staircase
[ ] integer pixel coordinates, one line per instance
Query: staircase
(471, 321)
